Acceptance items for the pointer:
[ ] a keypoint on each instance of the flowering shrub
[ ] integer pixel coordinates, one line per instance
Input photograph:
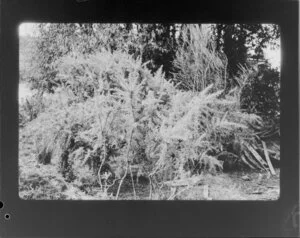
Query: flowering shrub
(115, 119)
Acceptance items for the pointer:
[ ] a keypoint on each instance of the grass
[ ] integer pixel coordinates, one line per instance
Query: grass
(232, 186)
(220, 187)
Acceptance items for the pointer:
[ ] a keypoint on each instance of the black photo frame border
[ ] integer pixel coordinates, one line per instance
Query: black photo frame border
(29, 218)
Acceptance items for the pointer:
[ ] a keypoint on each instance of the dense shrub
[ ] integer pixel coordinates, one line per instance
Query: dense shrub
(154, 43)
(117, 116)
(112, 119)
(260, 95)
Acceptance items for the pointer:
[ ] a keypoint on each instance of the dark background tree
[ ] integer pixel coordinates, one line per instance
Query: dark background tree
(154, 43)
(244, 43)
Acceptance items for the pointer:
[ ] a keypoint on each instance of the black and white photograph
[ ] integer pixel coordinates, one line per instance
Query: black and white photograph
(135, 111)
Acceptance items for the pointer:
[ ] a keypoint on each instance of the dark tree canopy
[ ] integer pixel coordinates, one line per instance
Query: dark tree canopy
(154, 43)
(243, 43)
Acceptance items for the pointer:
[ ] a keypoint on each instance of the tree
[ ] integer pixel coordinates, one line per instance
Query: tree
(243, 43)
(260, 95)
(155, 43)
(53, 42)
(164, 48)
(152, 42)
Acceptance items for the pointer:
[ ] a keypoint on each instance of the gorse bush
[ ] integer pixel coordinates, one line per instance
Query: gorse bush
(114, 118)
(200, 126)
(100, 73)
(111, 120)
(151, 42)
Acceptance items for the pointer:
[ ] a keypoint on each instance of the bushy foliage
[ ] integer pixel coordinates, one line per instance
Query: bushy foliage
(242, 42)
(112, 118)
(152, 42)
(261, 93)
(113, 115)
